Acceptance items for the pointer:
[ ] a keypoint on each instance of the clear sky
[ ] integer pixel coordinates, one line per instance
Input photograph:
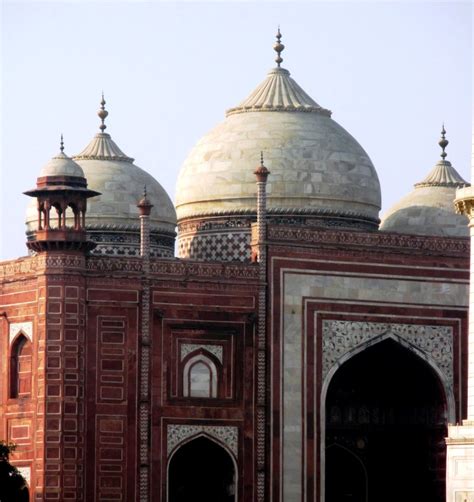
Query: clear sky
(390, 72)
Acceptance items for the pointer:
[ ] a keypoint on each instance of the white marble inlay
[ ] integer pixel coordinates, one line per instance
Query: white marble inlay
(216, 350)
(340, 337)
(228, 435)
(24, 327)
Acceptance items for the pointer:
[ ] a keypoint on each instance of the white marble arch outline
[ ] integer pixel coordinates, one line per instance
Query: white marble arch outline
(25, 328)
(212, 368)
(216, 441)
(448, 390)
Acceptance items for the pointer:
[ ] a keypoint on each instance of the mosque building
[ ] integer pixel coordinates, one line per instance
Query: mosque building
(297, 349)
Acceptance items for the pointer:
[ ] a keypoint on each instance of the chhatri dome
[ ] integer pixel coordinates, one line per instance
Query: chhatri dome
(112, 218)
(320, 175)
(61, 165)
(429, 208)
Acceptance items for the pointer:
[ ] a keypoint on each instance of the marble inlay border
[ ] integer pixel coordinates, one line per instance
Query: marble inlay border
(228, 435)
(340, 337)
(216, 350)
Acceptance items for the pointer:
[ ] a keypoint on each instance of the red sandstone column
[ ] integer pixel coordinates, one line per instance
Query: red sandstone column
(144, 406)
(261, 174)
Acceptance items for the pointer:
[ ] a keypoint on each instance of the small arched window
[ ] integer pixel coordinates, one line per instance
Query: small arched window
(200, 377)
(20, 367)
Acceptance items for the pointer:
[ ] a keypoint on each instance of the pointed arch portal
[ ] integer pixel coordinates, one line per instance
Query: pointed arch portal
(385, 427)
(201, 471)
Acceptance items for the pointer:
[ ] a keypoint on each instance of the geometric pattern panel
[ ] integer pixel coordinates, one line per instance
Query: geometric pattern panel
(228, 435)
(340, 337)
(216, 246)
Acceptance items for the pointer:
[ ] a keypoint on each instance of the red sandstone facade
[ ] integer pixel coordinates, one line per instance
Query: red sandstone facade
(75, 415)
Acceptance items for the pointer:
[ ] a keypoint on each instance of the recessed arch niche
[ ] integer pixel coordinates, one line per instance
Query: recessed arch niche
(386, 412)
(202, 470)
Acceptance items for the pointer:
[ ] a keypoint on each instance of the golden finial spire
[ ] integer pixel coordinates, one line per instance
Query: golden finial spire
(102, 113)
(61, 144)
(443, 142)
(278, 48)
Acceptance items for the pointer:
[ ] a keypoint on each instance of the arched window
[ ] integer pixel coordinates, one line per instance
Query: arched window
(200, 377)
(20, 367)
(202, 470)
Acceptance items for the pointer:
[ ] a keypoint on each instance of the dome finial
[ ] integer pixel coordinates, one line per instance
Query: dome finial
(443, 142)
(261, 172)
(278, 48)
(61, 144)
(102, 113)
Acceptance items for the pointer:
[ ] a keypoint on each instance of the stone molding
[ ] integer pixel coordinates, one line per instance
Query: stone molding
(425, 244)
(252, 212)
(341, 337)
(179, 433)
(216, 350)
(205, 270)
(21, 327)
(214, 224)
(115, 264)
(40, 262)
(175, 267)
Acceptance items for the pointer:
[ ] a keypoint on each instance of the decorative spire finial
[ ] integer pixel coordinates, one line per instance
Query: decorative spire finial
(61, 144)
(144, 191)
(102, 113)
(278, 48)
(443, 142)
(261, 172)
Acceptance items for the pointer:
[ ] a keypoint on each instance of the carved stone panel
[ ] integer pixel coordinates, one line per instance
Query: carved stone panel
(227, 435)
(340, 337)
(187, 348)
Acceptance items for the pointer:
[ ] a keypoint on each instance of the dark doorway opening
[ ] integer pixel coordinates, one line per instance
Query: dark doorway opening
(385, 429)
(201, 471)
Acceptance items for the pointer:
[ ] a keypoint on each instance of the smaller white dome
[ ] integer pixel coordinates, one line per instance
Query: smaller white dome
(61, 165)
(429, 208)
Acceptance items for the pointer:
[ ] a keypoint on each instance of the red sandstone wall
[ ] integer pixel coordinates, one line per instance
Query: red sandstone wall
(22, 418)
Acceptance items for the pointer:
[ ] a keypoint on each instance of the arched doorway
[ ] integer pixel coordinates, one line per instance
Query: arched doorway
(385, 420)
(201, 471)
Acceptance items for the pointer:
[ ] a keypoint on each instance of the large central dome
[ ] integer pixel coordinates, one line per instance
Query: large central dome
(319, 172)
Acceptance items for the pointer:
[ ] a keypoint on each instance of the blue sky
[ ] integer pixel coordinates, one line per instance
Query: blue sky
(390, 72)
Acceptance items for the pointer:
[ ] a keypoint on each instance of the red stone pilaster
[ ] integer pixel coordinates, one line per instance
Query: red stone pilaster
(61, 325)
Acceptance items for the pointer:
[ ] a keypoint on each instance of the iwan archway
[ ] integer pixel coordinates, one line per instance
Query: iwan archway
(385, 424)
(202, 471)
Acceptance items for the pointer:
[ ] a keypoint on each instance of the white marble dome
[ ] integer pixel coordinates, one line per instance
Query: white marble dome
(109, 171)
(429, 208)
(120, 182)
(112, 218)
(61, 165)
(316, 166)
